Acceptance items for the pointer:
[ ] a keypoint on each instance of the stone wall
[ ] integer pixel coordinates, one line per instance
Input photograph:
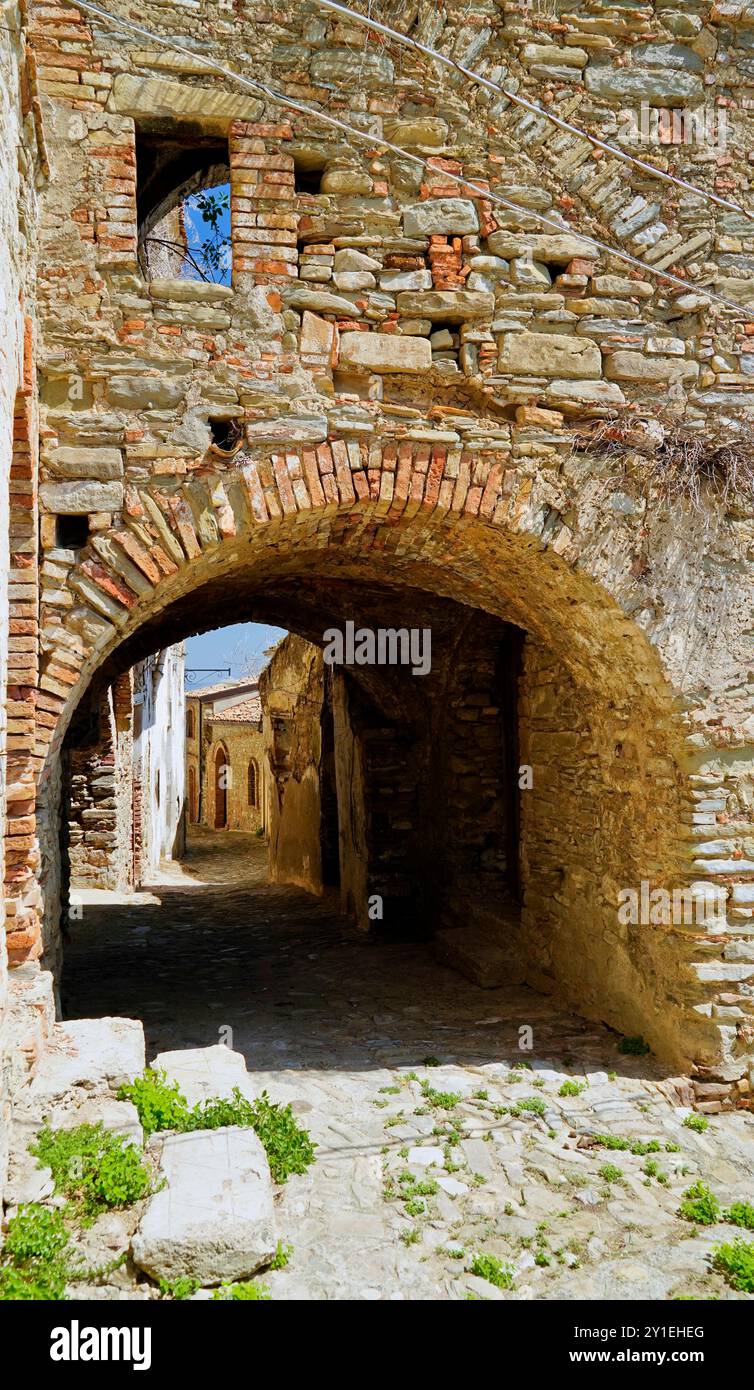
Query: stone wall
(19, 156)
(99, 812)
(433, 392)
(291, 689)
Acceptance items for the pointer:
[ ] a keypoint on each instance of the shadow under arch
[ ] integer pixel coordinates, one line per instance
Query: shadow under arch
(599, 723)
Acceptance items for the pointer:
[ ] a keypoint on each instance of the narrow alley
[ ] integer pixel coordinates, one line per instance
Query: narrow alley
(399, 1066)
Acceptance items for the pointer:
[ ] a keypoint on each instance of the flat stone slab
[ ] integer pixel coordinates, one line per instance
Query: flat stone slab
(482, 954)
(202, 1072)
(214, 1220)
(97, 1054)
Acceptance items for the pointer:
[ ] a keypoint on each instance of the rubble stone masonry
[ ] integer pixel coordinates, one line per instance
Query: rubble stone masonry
(434, 393)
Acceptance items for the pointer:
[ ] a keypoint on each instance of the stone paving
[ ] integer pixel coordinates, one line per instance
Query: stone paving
(438, 1137)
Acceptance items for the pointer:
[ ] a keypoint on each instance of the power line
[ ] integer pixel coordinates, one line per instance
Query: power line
(534, 107)
(325, 118)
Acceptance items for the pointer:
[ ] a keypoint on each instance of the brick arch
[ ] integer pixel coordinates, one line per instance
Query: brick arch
(601, 721)
(462, 481)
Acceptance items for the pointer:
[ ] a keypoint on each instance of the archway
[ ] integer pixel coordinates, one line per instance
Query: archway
(597, 716)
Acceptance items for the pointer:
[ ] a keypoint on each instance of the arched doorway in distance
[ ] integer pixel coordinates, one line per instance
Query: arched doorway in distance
(221, 788)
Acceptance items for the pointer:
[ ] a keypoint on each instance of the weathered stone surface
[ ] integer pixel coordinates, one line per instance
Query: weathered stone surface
(68, 461)
(99, 1054)
(211, 107)
(384, 352)
(317, 335)
(634, 366)
(440, 215)
(557, 248)
(579, 393)
(203, 1072)
(215, 1219)
(344, 66)
(554, 53)
(429, 131)
(348, 258)
(306, 429)
(346, 181)
(319, 301)
(446, 306)
(658, 86)
(77, 498)
(189, 291)
(393, 280)
(144, 392)
(549, 354)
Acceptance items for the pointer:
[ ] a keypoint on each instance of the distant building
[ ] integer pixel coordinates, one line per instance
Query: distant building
(124, 777)
(225, 767)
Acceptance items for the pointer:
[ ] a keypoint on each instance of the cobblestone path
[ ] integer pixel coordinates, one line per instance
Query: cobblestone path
(439, 1139)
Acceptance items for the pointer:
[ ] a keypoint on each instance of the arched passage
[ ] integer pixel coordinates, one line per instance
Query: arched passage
(598, 723)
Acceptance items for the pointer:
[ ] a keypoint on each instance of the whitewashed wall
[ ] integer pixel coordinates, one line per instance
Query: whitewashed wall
(159, 761)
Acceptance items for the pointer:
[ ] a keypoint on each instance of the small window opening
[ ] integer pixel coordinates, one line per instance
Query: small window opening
(307, 178)
(227, 435)
(71, 532)
(183, 208)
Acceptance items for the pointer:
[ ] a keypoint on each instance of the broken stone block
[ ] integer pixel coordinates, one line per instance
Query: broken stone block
(549, 354)
(350, 280)
(320, 301)
(348, 258)
(317, 336)
(554, 53)
(440, 217)
(446, 306)
(384, 352)
(203, 1072)
(214, 1220)
(97, 1054)
(529, 272)
(118, 1116)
